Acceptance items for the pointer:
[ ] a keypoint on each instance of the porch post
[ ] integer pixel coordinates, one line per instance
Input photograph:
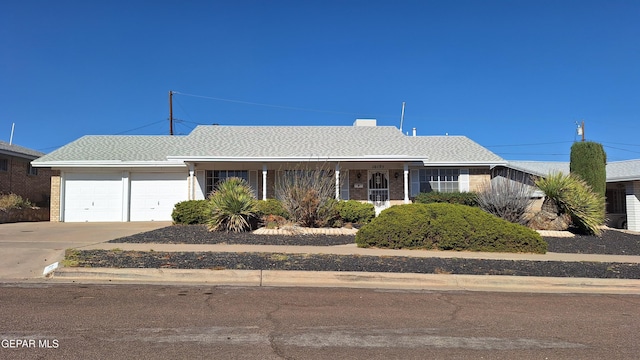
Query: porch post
(191, 189)
(633, 205)
(337, 182)
(264, 181)
(406, 183)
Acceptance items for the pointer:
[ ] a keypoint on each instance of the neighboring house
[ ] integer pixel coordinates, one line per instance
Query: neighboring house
(623, 186)
(17, 176)
(141, 178)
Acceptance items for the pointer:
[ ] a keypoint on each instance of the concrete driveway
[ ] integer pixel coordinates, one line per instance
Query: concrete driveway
(26, 248)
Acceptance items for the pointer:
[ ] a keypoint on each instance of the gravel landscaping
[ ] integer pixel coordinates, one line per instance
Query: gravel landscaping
(611, 242)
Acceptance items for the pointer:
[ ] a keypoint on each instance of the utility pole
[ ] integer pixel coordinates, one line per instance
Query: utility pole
(170, 112)
(581, 129)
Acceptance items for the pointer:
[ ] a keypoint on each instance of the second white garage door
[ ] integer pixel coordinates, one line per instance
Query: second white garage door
(153, 195)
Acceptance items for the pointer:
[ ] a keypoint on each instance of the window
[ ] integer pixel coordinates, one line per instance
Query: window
(4, 165)
(31, 170)
(213, 177)
(442, 180)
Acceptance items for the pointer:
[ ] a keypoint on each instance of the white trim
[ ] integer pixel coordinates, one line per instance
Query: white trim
(337, 183)
(463, 180)
(126, 195)
(108, 164)
(264, 182)
(406, 183)
(365, 158)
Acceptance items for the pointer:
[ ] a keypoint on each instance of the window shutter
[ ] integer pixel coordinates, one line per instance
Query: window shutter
(253, 182)
(463, 180)
(344, 185)
(415, 182)
(200, 185)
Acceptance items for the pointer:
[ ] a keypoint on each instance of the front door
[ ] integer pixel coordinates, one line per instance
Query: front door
(379, 190)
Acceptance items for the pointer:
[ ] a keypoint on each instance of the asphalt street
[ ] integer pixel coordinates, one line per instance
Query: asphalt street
(178, 322)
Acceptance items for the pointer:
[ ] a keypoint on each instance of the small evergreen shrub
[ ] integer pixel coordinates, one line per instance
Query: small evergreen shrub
(233, 206)
(447, 227)
(588, 160)
(191, 212)
(462, 198)
(271, 207)
(356, 212)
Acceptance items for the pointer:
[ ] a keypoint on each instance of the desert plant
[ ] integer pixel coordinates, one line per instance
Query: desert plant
(271, 207)
(233, 206)
(191, 212)
(356, 212)
(507, 199)
(307, 195)
(447, 227)
(13, 201)
(462, 198)
(569, 194)
(588, 160)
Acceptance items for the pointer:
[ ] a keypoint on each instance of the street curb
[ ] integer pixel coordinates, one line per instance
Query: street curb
(350, 279)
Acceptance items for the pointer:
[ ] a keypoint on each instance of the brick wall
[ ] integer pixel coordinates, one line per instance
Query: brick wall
(16, 180)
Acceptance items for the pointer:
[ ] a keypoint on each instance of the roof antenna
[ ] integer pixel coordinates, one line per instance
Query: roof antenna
(402, 116)
(13, 125)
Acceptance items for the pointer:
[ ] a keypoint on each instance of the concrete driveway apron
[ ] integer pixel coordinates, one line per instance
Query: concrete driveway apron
(26, 248)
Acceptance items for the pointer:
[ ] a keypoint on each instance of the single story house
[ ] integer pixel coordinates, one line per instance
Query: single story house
(141, 178)
(18, 176)
(622, 193)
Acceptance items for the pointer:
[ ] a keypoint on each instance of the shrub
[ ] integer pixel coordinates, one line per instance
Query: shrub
(271, 207)
(571, 195)
(506, 199)
(191, 212)
(462, 198)
(589, 161)
(13, 201)
(308, 196)
(447, 227)
(356, 212)
(233, 206)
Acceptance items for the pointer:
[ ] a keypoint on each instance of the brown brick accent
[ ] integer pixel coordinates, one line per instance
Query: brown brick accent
(478, 178)
(54, 209)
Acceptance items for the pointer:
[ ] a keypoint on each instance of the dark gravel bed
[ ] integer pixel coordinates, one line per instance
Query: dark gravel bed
(611, 242)
(325, 262)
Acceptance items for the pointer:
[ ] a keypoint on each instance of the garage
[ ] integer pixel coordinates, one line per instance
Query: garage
(154, 195)
(93, 197)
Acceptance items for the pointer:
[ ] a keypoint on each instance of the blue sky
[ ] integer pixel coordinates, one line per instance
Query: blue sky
(514, 76)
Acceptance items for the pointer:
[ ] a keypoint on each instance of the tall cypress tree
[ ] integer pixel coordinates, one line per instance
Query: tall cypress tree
(589, 161)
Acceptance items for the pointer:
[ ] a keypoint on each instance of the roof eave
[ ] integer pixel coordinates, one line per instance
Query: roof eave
(107, 164)
(373, 158)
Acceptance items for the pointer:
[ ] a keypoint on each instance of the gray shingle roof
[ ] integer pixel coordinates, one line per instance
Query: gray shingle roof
(116, 147)
(275, 142)
(19, 151)
(616, 170)
(623, 170)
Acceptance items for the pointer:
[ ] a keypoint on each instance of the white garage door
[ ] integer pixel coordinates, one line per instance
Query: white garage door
(93, 197)
(153, 195)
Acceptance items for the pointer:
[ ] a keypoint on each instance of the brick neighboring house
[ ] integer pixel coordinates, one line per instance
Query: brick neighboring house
(17, 176)
(141, 178)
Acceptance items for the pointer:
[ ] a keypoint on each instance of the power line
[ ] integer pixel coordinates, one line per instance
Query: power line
(536, 144)
(138, 128)
(281, 106)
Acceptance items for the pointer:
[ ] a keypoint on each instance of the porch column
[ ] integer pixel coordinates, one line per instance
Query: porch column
(337, 182)
(191, 190)
(406, 183)
(264, 182)
(633, 205)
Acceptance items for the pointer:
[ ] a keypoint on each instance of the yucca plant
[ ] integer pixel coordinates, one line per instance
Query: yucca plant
(568, 194)
(233, 206)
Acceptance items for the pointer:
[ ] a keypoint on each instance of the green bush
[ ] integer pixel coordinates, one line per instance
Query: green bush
(571, 195)
(271, 207)
(191, 212)
(462, 198)
(13, 201)
(233, 206)
(447, 227)
(356, 212)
